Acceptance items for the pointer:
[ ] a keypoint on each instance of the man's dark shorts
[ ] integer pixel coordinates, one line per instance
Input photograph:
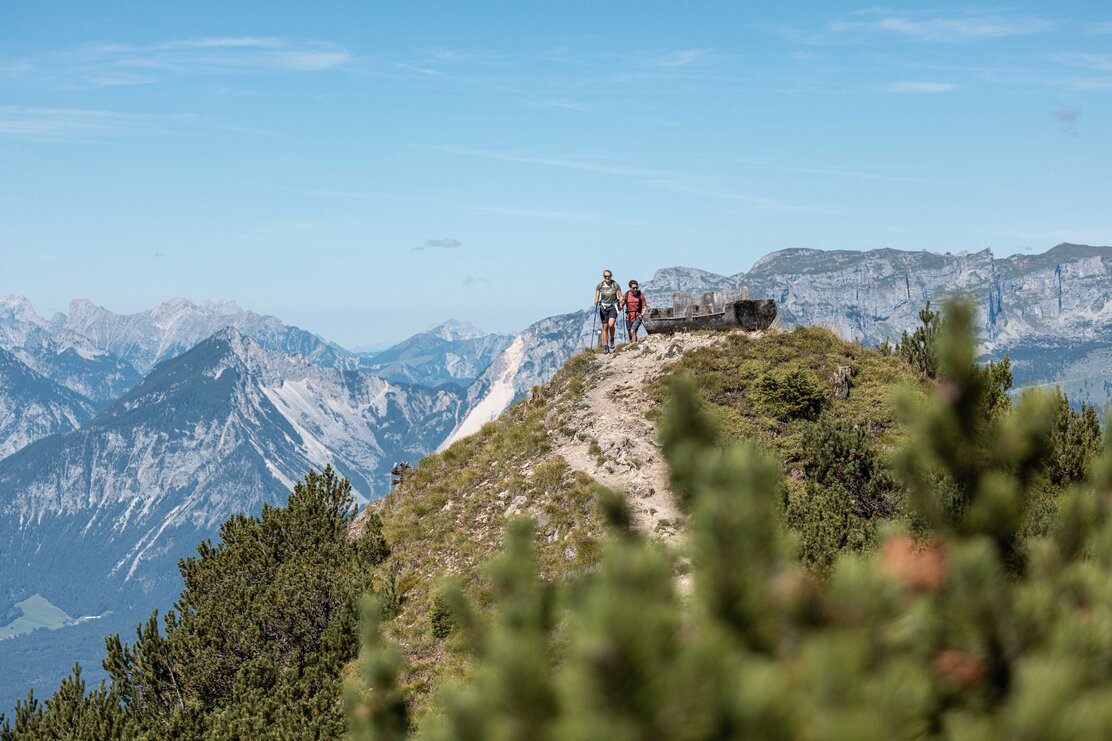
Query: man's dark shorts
(633, 322)
(605, 313)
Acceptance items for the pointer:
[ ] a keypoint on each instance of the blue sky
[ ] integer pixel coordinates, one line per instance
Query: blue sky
(365, 170)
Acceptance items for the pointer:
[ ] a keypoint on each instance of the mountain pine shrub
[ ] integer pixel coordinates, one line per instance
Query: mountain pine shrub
(795, 394)
(838, 452)
(950, 630)
(1075, 439)
(255, 645)
(918, 348)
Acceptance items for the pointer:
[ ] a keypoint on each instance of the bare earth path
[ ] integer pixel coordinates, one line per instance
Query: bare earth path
(611, 440)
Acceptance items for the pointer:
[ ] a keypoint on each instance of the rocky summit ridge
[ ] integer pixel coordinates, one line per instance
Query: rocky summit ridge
(1051, 312)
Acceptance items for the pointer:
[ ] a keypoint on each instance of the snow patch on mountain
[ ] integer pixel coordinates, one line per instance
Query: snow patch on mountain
(498, 396)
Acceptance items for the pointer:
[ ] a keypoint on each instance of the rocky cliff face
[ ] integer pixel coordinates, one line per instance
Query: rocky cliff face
(1052, 313)
(32, 406)
(866, 296)
(872, 296)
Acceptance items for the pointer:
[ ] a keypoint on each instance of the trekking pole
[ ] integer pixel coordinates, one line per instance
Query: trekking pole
(594, 313)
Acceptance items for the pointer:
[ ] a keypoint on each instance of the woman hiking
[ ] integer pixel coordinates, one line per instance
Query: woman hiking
(608, 299)
(635, 305)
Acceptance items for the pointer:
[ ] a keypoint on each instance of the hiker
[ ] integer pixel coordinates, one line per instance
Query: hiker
(608, 299)
(635, 305)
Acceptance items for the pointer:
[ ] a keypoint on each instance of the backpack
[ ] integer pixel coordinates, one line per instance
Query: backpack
(608, 294)
(635, 298)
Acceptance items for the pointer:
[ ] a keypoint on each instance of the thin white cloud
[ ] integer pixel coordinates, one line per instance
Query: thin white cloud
(759, 203)
(915, 87)
(101, 64)
(468, 56)
(27, 122)
(234, 42)
(423, 71)
(669, 180)
(36, 122)
(563, 105)
(835, 172)
(682, 58)
(932, 26)
(1094, 61)
(529, 213)
(1084, 84)
(574, 162)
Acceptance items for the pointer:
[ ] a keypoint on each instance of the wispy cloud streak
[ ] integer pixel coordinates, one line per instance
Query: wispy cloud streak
(27, 122)
(1095, 61)
(922, 26)
(102, 64)
(826, 171)
(931, 26)
(587, 164)
(678, 182)
(916, 87)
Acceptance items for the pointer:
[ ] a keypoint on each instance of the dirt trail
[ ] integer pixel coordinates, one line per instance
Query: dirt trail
(614, 443)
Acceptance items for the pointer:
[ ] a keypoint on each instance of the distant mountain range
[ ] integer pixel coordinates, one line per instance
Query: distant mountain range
(126, 439)
(450, 353)
(66, 357)
(100, 355)
(218, 430)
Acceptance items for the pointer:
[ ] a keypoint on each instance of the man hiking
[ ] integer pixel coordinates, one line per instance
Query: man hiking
(635, 305)
(608, 299)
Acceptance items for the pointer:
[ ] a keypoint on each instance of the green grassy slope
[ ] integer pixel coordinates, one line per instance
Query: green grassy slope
(725, 376)
(449, 516)
(38, 612)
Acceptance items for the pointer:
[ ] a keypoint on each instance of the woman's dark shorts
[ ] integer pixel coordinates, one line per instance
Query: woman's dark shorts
(633, 322)
(605, 313)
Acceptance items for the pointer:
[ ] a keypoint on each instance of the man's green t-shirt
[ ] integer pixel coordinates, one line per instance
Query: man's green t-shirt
(608, 293)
